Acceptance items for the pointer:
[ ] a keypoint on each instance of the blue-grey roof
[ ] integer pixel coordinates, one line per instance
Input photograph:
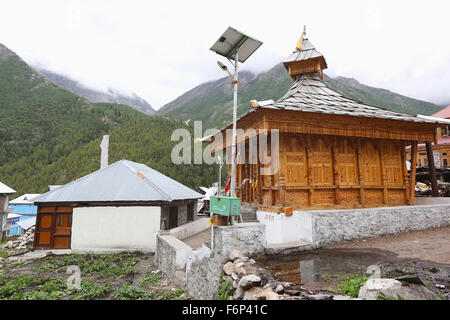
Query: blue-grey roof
(122, 181)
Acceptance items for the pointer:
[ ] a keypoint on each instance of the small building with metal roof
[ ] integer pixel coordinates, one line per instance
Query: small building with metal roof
(5, 192)
(122, 206)
(25, 209)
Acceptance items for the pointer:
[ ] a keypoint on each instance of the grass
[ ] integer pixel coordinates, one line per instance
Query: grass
(225, 289)
(103, 277)
(152, 279)
(3, 254)
(349, 285)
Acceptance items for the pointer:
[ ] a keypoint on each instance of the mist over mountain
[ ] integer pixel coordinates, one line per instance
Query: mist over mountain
(112, 96)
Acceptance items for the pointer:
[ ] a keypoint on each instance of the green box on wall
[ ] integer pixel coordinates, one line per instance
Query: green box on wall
(225, 206)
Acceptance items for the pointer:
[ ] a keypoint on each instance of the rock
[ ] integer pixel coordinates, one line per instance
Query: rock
(235, 276)
(255, 293)
(341, 297)
(410, 279)
(249, 281)
(236, 266)
(2, 259)
(234, 255)
(279, 289)
(23, 243)
(394, 289)
(319, 297)
(9, 244)
(235, 284)
(292, 292)
(228, 268)
(242, 259)
(251, 262)
(242, 272)
(238, 294)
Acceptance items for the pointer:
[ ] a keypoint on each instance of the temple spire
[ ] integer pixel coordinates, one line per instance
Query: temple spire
(300, 41)
(305, 59)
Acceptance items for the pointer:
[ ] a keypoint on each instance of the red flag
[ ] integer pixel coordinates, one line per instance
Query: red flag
(227, 187)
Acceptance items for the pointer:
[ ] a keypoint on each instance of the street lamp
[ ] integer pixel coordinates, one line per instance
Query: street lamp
(234, 45)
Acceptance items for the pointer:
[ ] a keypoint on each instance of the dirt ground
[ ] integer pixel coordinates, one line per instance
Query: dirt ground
(197, 240)
(428, 245)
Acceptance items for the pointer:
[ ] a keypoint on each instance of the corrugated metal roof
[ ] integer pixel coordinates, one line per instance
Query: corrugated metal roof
(25, 199)
(119, 182)
(444, 113)
(4, 189)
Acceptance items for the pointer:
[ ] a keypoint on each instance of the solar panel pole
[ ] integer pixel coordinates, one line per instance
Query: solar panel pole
(233, 145)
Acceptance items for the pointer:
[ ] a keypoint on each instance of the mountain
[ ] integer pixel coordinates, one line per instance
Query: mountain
(212, 102)
(49, 135)
(112, 96)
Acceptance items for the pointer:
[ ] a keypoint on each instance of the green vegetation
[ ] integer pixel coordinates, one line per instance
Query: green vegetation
(51, 136)
(152, 279)
(131, 293)
(3, 253)
(46, 279)
(225, 289)
(382, 296)
(349, 285)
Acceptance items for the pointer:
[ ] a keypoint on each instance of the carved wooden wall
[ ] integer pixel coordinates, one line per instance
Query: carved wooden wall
(322, 171)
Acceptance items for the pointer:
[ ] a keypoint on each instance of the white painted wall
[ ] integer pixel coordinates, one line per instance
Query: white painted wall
(281, 228)
(115, 228)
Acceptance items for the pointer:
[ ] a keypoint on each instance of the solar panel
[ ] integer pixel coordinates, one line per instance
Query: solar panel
(232, 41)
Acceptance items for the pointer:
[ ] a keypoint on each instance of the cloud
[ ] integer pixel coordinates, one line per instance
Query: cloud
(161, 49)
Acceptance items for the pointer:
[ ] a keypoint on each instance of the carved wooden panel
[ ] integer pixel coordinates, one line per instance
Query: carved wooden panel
(297, 198)
(322, 170)
(369, 161)
(345, 154)
(392, 158)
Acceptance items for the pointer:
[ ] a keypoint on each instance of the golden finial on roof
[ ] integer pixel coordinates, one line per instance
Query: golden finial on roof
(300, 41)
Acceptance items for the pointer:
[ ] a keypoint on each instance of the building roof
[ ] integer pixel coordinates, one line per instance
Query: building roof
(4, 189)
(122, 181)
(307, 51)
(25, 199)
(310, 94)
(444, 113)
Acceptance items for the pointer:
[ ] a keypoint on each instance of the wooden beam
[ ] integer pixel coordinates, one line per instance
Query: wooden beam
(383, 172)
(412, 173)
(309, 155)
(358, 168)
(334, 153)
(432, 169)
(405, 171)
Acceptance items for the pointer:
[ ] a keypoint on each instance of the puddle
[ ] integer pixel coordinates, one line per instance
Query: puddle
(323, 265)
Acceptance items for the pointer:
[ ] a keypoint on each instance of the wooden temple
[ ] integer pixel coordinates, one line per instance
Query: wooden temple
(334, 152)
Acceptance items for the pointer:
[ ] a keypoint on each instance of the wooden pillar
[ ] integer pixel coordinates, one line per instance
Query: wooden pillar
(383, 172)
(334, 153)
(405, 171)
(309, 155)
(432, 170)
(360, 178)
(412, 173)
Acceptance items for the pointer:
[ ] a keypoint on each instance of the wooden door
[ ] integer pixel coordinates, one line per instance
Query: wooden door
(43, 235)
(53, 228)
(62, 229)
(190, 212)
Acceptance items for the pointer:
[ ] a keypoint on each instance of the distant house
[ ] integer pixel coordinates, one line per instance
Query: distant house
(441, 149)
(122, 206)
(5, 191)
(23, 209)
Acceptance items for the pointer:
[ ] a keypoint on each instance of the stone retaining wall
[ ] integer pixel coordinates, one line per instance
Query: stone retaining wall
(332, 226)
(204, 266)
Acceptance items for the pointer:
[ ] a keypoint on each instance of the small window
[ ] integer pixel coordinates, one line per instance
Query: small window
(444, 154)
(444, 131)
(420, 162)
(445, 163)
(426, 162)
(69, 220)
(59, 220)
(422, 154)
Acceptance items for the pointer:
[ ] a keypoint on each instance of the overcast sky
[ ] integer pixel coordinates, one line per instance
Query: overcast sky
(160, 49)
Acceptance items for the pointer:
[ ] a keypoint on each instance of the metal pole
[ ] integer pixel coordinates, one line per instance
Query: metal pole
(432, 169)
(233, 145)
